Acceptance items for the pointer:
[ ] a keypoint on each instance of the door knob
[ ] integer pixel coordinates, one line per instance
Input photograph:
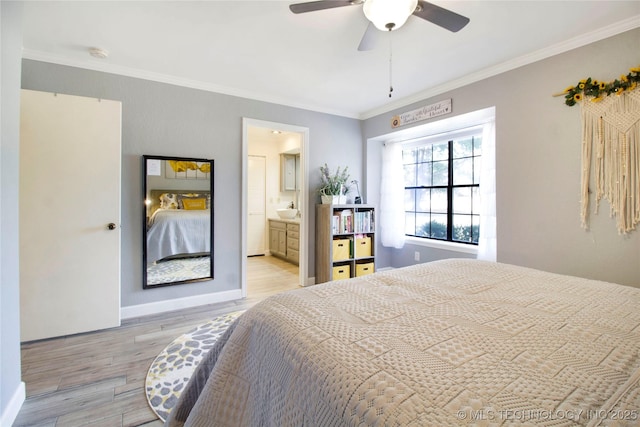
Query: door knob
(111, 226)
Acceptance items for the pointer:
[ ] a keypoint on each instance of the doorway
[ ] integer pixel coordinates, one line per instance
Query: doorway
(271, 141)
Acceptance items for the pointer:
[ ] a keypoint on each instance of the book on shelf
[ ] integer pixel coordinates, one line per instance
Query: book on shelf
(364, 222)
(335, 224)
(346, 222)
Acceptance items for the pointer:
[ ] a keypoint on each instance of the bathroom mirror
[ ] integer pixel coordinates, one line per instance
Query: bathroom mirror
(177, 220)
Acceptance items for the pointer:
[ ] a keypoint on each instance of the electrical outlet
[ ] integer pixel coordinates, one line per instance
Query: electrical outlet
(416, 256)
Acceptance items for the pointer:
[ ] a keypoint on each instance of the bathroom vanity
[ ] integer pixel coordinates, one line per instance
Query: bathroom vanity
(284, 239)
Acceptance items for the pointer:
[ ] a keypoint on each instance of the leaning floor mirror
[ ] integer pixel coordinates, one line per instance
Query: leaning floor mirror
(177, 220)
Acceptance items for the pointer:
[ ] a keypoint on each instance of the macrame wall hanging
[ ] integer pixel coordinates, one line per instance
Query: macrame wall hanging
(610, 146)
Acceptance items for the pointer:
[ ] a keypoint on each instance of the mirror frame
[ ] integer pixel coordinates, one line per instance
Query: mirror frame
(145, 171)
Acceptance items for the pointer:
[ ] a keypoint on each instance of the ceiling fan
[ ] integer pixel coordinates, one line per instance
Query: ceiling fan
(389, 15)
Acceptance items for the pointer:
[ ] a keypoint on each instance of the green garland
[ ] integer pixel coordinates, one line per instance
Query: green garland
(597, 90)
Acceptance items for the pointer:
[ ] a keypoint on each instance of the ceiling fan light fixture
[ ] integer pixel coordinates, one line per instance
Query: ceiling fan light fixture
(389, 15)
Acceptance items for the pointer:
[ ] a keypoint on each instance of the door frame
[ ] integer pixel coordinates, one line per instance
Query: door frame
(304, 194)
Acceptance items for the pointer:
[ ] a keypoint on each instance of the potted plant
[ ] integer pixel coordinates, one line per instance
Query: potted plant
(333, 187)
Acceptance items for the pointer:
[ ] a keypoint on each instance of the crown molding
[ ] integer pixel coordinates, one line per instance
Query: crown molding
(576, 42)
(36, 55)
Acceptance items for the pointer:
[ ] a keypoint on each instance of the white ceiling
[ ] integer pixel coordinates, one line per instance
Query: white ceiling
(260, 50)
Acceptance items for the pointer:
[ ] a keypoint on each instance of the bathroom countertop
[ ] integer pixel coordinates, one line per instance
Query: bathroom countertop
(291, 221)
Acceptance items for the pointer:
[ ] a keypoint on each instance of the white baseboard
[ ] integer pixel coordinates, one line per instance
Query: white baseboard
(10, 413)
(131, 311)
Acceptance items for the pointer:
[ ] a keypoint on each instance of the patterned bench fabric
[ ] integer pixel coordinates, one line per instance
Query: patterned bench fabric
(452, 342)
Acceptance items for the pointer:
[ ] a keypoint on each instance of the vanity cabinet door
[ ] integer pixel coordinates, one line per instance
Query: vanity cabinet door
(282, 242)
(278, 238)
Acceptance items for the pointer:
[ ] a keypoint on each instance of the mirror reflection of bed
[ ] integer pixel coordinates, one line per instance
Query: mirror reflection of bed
(178, 232)
(178, 219)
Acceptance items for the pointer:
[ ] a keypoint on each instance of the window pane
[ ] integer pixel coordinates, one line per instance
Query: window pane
(422, 225)
(439, 227)
(423, 200)
(462, 228)
(462, 200)
(475, 229)
(424, 154)
(477, 164)
(409, 200)
(463, 171)
(475, 197)
(439, 200)
(477, 145)
(424, 174)
(409, 156)
(409, 175)
(440, 173)
(463, 148)
(410, 223)
(440, 151)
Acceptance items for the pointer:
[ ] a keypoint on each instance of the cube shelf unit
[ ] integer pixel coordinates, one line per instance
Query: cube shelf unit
(345, 241)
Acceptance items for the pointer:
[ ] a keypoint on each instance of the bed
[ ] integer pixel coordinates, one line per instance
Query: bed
(452, 342)
(179, 224)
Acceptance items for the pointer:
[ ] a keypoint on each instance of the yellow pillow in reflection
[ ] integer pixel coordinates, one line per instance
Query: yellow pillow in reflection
(194, 204)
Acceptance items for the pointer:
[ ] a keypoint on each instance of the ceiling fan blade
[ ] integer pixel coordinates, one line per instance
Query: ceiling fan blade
(442, 17)
(312, 6)
(368, 41)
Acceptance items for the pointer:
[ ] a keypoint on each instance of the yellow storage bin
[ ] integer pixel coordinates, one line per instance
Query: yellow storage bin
(341, 272)
(364, 269)
(341, 249)
(363, 247)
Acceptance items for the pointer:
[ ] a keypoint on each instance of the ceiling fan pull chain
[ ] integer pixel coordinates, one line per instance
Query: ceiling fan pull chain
(390, 64)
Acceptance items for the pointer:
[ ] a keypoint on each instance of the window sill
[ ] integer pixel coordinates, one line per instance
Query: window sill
(438, 244)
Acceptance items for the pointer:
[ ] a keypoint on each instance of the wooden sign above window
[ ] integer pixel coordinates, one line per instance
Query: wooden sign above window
(427, 112)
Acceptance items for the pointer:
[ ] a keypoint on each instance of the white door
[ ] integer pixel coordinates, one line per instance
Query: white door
(70, 151)
(256, 194)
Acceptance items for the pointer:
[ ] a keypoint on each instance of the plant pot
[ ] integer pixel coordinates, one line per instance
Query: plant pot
(334, 200)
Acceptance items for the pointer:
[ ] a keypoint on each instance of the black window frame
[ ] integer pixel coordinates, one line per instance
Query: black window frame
(450, 188)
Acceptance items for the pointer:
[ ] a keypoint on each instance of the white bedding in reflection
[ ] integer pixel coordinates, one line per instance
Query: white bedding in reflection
(178, 231)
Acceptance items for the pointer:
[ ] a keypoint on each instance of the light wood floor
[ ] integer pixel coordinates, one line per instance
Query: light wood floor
(97, 378)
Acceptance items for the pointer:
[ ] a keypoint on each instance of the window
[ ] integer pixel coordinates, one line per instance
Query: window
(442, 187)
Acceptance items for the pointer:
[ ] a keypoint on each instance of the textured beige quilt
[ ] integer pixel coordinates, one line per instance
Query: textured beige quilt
(455, 342)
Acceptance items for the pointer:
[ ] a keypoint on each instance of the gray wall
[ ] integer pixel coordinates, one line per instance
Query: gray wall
(11, 53)
(168, 120)
(538, 149)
